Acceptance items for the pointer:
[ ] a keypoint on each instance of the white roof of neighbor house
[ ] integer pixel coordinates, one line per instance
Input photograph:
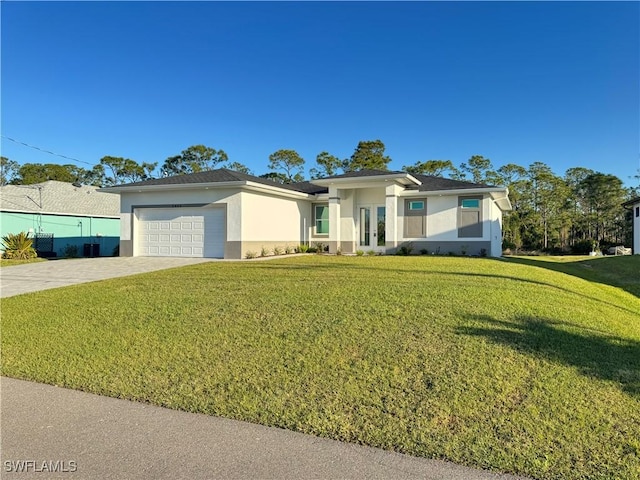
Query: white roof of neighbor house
(59, 198)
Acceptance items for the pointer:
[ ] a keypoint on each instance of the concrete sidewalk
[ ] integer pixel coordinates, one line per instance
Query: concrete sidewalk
(94, 437)
(32, 277)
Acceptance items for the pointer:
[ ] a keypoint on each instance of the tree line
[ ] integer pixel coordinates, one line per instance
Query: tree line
(577, 211)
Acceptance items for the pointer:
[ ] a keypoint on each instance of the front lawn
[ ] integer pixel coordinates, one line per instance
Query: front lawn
(4, 262)
(483, 362)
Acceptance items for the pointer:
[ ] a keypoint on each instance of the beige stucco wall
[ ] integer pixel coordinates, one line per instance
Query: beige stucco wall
(272, 221)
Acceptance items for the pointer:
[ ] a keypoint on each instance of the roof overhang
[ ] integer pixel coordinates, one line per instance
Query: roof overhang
(242, 185)
(631, 202)
(500, 195)
(400, 178)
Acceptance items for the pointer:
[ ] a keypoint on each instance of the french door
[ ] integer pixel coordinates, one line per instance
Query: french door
(371, 227)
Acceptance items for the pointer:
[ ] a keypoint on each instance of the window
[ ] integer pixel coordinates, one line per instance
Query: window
(469, 217)
(470, 203)
(415, 218)
(637, 211)
(321, 218)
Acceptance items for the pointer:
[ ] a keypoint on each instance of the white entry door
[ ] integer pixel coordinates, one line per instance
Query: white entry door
(180, 232)
(371, 227)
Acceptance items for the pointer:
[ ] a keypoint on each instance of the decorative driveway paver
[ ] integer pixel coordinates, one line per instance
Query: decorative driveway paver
(32, 277)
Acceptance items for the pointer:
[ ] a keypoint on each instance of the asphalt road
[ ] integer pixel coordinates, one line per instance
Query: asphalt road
(94, 437)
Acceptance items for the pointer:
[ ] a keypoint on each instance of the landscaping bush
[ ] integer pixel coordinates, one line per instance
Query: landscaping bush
(302, 248)
(583, 247)
(18, 246)
(251, 255)
(70, 251)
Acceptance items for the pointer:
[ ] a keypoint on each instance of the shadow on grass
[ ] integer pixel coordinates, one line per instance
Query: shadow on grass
(622, 271)
(606, 357)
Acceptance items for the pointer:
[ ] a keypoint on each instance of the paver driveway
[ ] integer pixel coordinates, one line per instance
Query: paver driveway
(32, 277)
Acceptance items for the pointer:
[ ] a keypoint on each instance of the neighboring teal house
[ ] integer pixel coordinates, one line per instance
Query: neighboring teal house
(62, 217)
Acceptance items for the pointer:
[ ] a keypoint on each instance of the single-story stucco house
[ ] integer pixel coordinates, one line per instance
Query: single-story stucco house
(227, 214)
(634, 206)
(62, 217)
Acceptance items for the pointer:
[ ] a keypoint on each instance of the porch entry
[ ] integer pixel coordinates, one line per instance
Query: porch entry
(371, 227)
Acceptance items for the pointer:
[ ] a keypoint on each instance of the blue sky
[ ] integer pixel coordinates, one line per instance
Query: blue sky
(517, 82)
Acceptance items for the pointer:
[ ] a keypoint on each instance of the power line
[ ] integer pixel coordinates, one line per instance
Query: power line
(45, 151)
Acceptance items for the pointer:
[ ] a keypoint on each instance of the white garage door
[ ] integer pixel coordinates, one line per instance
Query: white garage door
(180, 232)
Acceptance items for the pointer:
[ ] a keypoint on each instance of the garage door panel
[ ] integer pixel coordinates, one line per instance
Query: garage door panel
(184, 232)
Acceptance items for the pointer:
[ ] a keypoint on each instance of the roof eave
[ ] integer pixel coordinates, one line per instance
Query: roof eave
(402, 178)
(206, 186)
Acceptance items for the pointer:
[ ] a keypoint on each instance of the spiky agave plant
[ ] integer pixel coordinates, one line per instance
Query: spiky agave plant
(18, 246)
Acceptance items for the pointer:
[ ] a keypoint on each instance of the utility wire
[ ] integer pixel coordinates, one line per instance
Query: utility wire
(45, 151)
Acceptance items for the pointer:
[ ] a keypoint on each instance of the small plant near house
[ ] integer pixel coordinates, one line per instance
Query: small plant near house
(359, 253)
(424, 251)
(464, 249)
(483, 252)
(312, 250)
(339, 251)
(250, 255)
(265, 252)
(371, 253)
(278, 251)
(18, 246)
(70, 251)
(405, 249)
(288, 249)
(302, 248)
(321, 247)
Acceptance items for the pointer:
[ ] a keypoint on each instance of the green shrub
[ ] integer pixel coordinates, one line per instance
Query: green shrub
(70, 251)
(584, 247)
(424, 251)
(405, 249)
(251, 255)
(312, 250)
(359, 253)
(371, 253)
(18, 246)
(265, 252)
(302, 248)
(278, 251)
(288, 249)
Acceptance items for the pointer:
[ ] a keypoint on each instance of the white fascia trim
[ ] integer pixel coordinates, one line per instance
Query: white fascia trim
(244, 185)
(171, 186)
(501, 199)
(500, 196)
(260, 187)
(364, 181)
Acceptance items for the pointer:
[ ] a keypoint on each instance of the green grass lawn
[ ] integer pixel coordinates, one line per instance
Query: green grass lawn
(8, 263)
(485, 362)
